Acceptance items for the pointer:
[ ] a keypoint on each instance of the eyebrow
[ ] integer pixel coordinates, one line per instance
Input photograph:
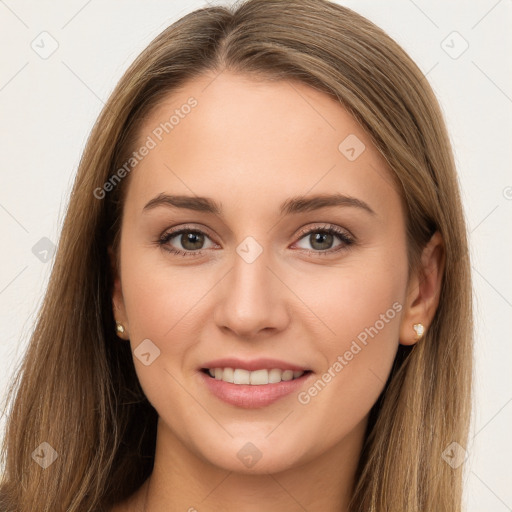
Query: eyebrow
(293, 205)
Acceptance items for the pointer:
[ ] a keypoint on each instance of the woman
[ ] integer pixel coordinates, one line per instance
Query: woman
(261, 296)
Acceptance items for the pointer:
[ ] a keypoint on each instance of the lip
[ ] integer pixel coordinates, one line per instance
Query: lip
(252, 365)
(251, 396)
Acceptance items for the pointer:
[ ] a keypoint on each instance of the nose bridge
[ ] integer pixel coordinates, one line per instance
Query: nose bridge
(252, 297)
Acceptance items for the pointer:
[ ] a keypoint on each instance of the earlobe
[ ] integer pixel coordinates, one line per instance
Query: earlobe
(117, 299)
(119, 328)
(419, 329)
(423, 292)
(119, 311)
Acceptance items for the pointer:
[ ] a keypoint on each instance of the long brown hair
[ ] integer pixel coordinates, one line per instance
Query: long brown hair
(77, 388)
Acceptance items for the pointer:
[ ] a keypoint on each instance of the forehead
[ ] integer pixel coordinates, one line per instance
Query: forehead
(247, 141)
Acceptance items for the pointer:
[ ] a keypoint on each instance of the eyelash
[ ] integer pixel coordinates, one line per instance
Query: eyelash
(346, 240)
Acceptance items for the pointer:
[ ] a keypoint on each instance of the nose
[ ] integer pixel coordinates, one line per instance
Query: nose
(252, 299)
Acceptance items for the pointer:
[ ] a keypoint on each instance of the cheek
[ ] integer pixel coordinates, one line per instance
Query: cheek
(347, 300)
(162, 306)
(159, 300)
(362, 309)
(364, 303)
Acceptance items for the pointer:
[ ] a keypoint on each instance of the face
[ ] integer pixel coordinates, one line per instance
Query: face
(261, 232)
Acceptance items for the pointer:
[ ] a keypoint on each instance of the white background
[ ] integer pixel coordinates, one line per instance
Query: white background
(48, 107)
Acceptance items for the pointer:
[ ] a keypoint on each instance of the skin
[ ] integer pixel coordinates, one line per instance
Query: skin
(250, 145)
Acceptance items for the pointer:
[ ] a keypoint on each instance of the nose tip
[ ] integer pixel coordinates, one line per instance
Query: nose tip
(251, 300)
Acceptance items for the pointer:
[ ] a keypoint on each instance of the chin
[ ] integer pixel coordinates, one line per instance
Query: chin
(253, 455)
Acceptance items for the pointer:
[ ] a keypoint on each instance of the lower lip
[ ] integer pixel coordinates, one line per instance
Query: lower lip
(252, 396)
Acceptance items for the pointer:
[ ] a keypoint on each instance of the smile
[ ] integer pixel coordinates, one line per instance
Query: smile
(254, 378)
(253, 389)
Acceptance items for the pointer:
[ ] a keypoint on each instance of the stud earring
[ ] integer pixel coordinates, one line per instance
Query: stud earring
(419, 329)
(119, 328)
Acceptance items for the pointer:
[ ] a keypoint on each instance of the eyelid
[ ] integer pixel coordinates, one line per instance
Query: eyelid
(198, 228)
(343, 234)
(187, 228)
(303, 231)
(326, 227)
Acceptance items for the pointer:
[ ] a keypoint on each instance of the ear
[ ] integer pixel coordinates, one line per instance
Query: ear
(423, 290)
(118, 307)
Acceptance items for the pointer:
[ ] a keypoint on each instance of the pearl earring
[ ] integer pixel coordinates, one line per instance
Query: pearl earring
(419, 329)
(119, 328)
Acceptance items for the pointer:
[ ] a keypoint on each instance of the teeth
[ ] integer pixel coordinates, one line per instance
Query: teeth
(274, 376)
(228, 375)
(255, 378)
(258, 377)
(240, 376)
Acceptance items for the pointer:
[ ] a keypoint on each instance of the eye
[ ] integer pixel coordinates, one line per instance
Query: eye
(321, 239)
(191, 241)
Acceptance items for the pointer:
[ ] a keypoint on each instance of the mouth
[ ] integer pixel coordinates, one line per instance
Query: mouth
(259, 377)
(252, 384)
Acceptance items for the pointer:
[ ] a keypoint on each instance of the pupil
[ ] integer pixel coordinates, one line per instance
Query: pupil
(321, 237)
(194, 239)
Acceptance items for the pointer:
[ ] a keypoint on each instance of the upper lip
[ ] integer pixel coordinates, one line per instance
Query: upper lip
(253, 364)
